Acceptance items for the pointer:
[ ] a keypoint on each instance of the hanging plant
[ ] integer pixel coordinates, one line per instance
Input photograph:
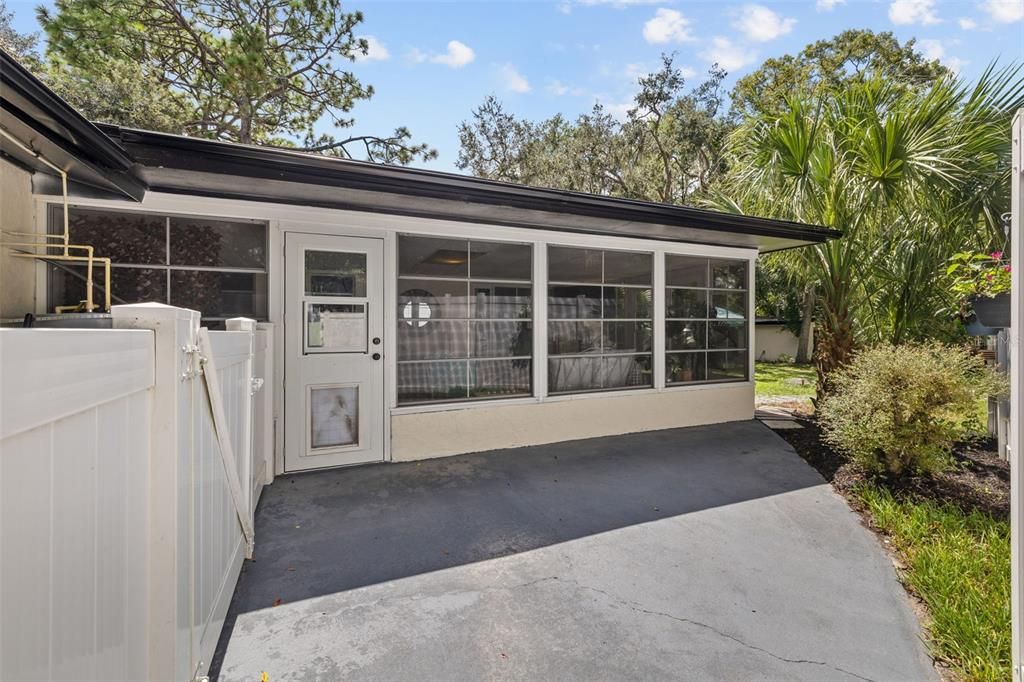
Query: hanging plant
(982, 281)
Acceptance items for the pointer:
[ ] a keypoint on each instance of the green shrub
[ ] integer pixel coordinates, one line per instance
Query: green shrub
(897, 410)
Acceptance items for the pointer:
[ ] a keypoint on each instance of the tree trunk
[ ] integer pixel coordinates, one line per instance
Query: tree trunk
(834, 347)
(805, 345)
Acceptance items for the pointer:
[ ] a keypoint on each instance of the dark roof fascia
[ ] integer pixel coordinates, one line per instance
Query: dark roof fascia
(25, 98)
(187, 153)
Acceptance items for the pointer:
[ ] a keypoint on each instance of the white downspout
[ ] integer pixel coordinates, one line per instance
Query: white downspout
(1016, 356)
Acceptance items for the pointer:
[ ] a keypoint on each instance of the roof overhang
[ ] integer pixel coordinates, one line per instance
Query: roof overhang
(186, 165)
(42, 121)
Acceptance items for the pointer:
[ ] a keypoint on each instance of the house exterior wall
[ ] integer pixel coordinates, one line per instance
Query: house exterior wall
(17, 275)
(772, 340)
(434, 430)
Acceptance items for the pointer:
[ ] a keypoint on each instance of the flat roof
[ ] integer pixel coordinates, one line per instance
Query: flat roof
(195, 166)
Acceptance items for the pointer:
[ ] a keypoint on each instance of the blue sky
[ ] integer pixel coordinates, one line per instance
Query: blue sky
(431, 63)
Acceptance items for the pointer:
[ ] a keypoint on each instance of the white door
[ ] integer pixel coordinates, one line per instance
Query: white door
(334, 369)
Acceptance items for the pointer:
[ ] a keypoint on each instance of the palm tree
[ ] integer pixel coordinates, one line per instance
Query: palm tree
(909, 176)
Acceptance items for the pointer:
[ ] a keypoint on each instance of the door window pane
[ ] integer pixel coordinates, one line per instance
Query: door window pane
(335, 273)
(336, 328)
(334, 417)
(202, 241)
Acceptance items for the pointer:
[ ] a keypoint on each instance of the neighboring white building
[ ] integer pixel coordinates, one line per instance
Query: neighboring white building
(775, 339)
(416, 314)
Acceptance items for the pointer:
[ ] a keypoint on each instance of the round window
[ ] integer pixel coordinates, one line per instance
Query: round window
(418, 308)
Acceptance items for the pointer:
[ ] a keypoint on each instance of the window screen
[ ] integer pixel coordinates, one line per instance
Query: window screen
(465, 320)
(599, 319)
(706, 326)
(218, 267)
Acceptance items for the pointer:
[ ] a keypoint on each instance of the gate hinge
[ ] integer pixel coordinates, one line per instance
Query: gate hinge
(255, 384)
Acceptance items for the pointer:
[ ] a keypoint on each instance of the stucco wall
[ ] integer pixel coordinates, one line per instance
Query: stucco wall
(473, 429)
(17, 280)
(772, 339)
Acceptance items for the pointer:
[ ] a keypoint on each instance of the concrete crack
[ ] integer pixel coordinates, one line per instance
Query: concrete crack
(634, 606)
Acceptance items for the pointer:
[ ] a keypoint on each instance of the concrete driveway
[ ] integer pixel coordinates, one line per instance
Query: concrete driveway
(703, 553)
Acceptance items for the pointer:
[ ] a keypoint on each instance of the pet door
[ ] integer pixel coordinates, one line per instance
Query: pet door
(333, 416)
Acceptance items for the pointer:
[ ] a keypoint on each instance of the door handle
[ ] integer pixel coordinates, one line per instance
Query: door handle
(376, 356)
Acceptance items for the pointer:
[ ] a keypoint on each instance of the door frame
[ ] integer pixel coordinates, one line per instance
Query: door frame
(281, 230)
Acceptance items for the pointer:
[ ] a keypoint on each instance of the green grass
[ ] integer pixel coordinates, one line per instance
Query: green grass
(770, 379)
(959, 565)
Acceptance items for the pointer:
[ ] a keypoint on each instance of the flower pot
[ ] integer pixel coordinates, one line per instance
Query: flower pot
(992, 312)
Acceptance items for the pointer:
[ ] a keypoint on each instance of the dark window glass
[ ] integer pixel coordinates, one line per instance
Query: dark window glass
(500, 378)
(427, 299)
(681, 368)
(499, 339)
(436, 340)
(137, 244)
(567, 338)
(686, 271)
(501, 301)
(700, 317)
(567, 302)
(130, 238)
(627, 303)
(431, 381)
(566, 264)
(727, 334)
(627, 337)
(728, 305)
(686, 303)
(727, 365)
(627, 267)
(335, 273)
(685, 335)
(433, 257)
(218, 243)
(496, 260)
(479, 322)
(728, 274)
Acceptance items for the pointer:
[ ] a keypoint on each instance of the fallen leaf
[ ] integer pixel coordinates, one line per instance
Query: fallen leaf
(277, 602)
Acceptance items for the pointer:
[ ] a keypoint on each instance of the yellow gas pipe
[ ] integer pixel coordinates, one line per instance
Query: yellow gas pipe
(66, 246)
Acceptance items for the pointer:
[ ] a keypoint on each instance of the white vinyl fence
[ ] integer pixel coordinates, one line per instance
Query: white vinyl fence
(128, 482)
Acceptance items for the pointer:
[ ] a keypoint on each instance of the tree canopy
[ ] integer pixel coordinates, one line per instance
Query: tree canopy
(846, 58)
(250, 71)
(669, 148)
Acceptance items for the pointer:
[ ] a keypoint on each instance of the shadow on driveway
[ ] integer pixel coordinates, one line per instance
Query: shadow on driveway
(330, 533)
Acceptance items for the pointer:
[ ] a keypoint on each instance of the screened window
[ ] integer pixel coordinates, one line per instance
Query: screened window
(599, 320)
(706, 326)
(465, 320)
(218, 267)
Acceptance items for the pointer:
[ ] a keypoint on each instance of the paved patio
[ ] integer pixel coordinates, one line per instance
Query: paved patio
(703, 553)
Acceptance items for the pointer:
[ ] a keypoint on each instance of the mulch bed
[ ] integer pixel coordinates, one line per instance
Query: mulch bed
(979, 481)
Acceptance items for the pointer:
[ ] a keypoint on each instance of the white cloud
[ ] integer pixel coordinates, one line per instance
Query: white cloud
(512, 79)
(458, 55)
(667, 26)
(759, 23)
(618, 110)
(1004, 11)
(558, 89)
(375, 51)
(828, 5)
(967, 24)
(935, 50)
(728, 55)
(931, 49)
(913, 12)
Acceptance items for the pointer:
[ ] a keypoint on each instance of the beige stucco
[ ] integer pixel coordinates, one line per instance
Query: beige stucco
(771, 340)
(476, 428)
(17, 279)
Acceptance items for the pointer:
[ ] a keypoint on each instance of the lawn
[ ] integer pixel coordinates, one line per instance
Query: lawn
(959, 564)
(771, 379)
